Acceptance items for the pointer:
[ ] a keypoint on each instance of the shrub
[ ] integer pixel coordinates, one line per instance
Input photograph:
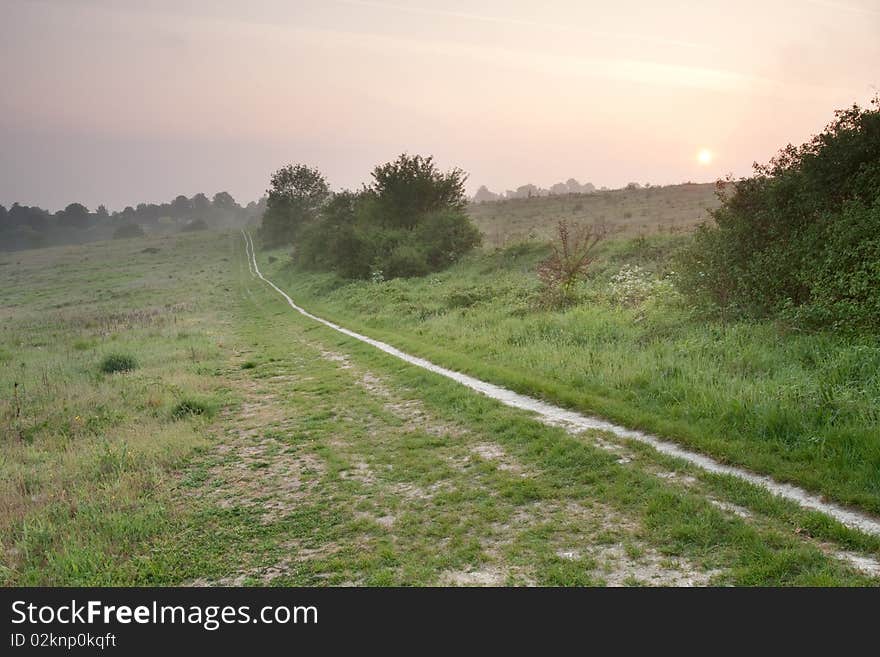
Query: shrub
(572, 253)
(189, 406)
(798, 239)
(409, 223)
(633, 285)
(113, 363)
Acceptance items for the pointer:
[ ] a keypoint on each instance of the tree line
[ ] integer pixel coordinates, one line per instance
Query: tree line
(23, 227)
(409, 221)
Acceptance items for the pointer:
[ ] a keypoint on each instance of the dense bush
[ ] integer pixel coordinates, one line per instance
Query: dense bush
(191, 406)
(410, 222)
(801, 238)
(113, 363)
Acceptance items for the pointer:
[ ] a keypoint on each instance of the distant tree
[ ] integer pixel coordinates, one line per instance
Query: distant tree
(150, 214)
(297, 193)
(181, 207)
(76, 215)
(483, 195)
(101, 213)
(526, 191)
(412, 186)
(17, 214)
(201, 206)
(633, 185)
(224, 201)
(559, 189)
(3, 215)
(37, 219)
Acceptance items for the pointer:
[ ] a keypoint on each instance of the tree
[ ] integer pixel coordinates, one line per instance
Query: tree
(411, 186)
(410, 222)
(201, 206)
(181, 207)
(101, 213)
(296, 195)
(224, 201)
(75, 215)
(483, 195)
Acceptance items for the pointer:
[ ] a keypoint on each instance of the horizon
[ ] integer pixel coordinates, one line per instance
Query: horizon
(121, 103)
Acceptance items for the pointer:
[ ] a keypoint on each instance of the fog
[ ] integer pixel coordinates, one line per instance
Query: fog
(123, 102)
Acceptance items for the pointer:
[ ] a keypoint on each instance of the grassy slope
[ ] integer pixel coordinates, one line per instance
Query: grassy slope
(326, 462)
(803, 408)
(671, 209)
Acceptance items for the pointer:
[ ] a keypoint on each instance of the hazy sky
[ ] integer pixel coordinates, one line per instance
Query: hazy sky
(119, 102)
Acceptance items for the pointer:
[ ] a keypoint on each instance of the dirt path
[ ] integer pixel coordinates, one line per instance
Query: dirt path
(577, 423)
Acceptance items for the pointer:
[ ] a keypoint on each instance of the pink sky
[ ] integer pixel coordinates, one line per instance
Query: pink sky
(120, 102)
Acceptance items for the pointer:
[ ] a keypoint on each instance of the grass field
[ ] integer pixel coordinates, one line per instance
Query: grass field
(670, 210)
(800, 407)
(249, 445)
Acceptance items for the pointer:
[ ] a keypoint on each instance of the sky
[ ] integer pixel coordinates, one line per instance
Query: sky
(120, 102)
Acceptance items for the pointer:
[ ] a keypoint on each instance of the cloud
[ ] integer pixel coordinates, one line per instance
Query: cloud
(507, 20)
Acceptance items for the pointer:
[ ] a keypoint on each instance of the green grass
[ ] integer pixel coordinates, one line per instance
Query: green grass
(86, 457)
(801, 407)
(318, 460)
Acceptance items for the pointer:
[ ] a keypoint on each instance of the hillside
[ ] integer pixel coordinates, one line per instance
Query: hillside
(630, 212)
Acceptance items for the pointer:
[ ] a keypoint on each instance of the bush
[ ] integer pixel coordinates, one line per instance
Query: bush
(572, 253)
(128, 231)
(188, 407)
(113, 363)
(632, 286)
(409, 223)
(799, 239)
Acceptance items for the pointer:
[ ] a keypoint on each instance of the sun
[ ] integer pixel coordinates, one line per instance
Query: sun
(705, 156)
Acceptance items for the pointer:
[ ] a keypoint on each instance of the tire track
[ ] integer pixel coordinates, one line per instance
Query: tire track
(576, 422)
